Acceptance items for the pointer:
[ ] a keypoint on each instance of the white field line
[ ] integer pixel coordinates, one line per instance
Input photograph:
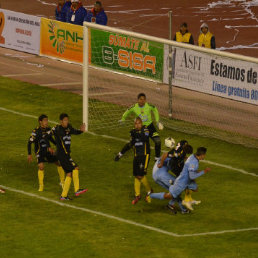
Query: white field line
(61, 84)
(130, 222)
(123, 140)
(21, 74)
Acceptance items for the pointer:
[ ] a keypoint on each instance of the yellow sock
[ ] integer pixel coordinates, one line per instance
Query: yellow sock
(76, 180)
(66, 188)
(41, 179)
(146, 184)
(137, 186)
(188, 197)
(61, 175)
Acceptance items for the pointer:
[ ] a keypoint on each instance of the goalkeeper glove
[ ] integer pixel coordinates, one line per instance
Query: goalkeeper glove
(118, 156)
(160, 126)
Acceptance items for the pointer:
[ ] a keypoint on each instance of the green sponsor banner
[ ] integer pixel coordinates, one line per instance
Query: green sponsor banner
(126, 54)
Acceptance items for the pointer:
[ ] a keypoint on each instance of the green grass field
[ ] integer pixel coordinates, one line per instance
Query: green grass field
(39, 228)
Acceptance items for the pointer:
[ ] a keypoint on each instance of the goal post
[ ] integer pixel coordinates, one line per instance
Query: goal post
(214, 94)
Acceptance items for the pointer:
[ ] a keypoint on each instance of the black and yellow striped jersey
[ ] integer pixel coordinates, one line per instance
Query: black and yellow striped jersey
(63, 137)
(40, 137)
(139, 142)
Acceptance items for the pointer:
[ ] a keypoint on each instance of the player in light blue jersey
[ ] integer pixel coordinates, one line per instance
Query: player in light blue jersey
(171, 161)
(186, 178)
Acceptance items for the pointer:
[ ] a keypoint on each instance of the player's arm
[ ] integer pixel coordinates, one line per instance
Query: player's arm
(156, 116)
(127, 113)
(77, 131)
(30, 142)
(162, 159)
(193, 174)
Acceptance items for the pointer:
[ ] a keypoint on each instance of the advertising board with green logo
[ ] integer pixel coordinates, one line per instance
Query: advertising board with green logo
(126, 54)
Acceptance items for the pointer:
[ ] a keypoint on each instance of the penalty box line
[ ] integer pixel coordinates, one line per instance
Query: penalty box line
(123, 140)
(130, 222)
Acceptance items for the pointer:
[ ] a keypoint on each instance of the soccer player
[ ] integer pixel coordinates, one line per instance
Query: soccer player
(143, 110)
(188, 175)
(176, 163)
(140, 143)
(172, 160)
(62, 134)
(40, 137)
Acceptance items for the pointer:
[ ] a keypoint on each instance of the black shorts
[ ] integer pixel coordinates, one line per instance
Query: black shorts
(140, 165)
(152, 130)
(67, 163)
(46, 157)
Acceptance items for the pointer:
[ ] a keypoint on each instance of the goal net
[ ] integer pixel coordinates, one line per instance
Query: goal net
(196, 90)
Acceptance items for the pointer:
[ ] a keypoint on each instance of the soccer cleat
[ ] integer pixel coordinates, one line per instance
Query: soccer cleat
(65, 198)
(172, 209)
(81, 191)
(2, 190)
(188, 205)
(136, 199)
(195, 202)
(185, 211)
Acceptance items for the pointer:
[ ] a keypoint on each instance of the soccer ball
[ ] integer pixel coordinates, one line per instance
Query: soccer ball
(170, 142)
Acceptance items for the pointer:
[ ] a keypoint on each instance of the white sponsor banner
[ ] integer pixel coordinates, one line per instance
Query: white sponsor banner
(216, 75)
(19, 31)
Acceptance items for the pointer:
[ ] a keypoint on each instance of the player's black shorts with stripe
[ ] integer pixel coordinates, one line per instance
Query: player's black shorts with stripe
(152, 130)
(46, 157)
(140, 165)
(67, 162)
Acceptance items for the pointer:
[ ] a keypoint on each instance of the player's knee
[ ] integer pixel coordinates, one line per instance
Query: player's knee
(77, 168)
(168, 196)
(139, 177)
(69, 174)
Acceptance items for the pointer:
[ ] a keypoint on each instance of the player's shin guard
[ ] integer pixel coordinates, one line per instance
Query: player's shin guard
(61, 175)
(66, 188)
(76, 180)
(41, 179)
(137, 186)
(146, 184)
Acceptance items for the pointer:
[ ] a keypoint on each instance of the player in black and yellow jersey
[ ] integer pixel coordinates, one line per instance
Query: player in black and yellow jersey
(62, 134)
(40, 137)
(141, 146)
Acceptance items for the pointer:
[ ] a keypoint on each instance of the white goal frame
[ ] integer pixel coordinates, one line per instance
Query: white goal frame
(87, 26)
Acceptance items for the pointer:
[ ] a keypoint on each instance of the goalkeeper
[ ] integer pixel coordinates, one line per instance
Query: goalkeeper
(143, 110)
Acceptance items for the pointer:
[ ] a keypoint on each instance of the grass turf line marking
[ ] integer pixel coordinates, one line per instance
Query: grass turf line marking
(21, 74)
(130, 222)
(123, 140)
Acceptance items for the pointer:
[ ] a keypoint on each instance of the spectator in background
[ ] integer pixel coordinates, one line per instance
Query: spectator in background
(67, 6)
(77, 13)
(184, 35)
(206, 39)
(61, 11)
(97, 14)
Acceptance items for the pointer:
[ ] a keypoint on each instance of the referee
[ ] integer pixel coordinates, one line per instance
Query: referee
(143, 110)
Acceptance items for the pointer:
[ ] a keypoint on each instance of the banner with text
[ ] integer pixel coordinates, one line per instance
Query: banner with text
(216, 75)
(61, 40)
(19, 31)
(126, 54)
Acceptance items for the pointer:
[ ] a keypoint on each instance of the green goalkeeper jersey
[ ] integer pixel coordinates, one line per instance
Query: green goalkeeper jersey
(143, 112)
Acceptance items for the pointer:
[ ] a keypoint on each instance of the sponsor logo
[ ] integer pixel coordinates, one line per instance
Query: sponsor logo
(2, 22)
